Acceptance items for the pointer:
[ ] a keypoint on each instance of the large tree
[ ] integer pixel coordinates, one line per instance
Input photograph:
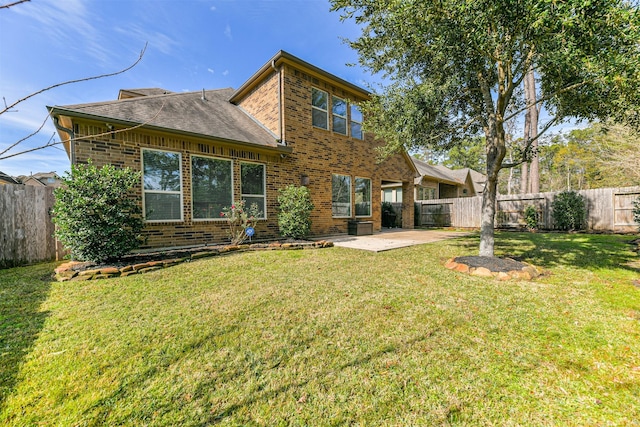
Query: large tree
(456, 68)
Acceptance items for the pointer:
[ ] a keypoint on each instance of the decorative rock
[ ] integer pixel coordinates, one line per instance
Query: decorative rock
(88, 272)
(462, 268)
(110, 270)
(481, 272)
(148, 269)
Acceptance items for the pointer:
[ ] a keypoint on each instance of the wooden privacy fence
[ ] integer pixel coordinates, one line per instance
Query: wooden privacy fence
(608, 209)
(26, 230)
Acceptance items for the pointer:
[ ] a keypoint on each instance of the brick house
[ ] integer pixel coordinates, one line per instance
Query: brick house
(290, 123)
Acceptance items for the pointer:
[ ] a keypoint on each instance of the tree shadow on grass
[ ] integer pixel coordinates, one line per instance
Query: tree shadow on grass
(554, 249)
(22, 292)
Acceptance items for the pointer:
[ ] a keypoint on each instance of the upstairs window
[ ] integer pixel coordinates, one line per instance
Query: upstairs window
(356, 122)
(252, 182)
(162, 185)
(320, 108)
(339, 114)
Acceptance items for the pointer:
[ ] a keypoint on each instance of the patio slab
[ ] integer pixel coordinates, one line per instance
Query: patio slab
(393, 239)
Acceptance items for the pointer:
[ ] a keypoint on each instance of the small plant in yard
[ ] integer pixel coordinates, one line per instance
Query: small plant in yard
(239, 219)
(294, 218)
(569, 211)
(95, 213)
(531, 218)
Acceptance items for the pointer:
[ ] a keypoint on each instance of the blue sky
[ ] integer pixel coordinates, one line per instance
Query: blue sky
(192, 44)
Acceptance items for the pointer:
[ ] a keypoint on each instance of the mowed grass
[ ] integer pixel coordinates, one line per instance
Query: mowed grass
(331, 337)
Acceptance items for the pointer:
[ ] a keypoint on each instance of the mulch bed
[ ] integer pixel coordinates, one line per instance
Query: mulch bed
(500, 268)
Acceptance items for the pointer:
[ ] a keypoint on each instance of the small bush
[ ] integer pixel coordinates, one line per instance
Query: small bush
(239, 219)
(95, 213)
(531, 219)
(294, 218)
(636, 212)
(569, 211)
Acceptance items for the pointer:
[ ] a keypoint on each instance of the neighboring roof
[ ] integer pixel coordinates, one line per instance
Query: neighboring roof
(7, 178)
(439, 173)
(187, 113)
(285, 57)
(450, 176)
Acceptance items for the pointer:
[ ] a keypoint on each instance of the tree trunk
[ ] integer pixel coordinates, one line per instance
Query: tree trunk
(530, 96)
(496, 150)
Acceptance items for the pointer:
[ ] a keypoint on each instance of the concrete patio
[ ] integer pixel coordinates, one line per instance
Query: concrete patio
(393, 239)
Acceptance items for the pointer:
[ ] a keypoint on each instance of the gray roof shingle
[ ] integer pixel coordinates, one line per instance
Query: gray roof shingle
(213, 117)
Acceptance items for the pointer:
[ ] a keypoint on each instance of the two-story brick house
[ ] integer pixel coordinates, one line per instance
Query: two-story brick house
(290, 123)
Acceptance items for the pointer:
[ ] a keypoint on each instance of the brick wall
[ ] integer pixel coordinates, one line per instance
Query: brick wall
(317, 153)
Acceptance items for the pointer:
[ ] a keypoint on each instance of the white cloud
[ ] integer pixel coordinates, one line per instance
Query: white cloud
(210, 70)
(227, 32)
(213, 9)
(156, 40)
(225, 73)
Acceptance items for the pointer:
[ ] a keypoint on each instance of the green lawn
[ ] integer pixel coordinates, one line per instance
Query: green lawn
(331, 337)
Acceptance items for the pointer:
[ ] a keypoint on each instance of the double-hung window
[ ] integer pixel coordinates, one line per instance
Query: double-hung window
(320, 108)
(341, 196)
(252, 182)
(162, 185)
(211, 186)
(339, 114)
(356, 122)
(363, 197)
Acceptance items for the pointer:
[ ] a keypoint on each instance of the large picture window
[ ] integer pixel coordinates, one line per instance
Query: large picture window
(363, 197)
(252, 181)
(356, 122)
(162, 185)
(320, 108)
(339, 114)
(211, 185)
(341, 196)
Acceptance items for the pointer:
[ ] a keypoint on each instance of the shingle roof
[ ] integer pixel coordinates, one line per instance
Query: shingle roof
(425, 169)
(7, 178)
(186, 112)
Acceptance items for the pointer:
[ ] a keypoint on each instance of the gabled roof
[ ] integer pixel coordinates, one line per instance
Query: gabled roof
(206, 114)
(439, 173)
(283, 57)
(7, 178)
(450, 176)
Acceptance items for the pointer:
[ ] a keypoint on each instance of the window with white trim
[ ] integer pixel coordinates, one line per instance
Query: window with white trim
(211, 186)
(339, 115)
(162, 185)
(341, 196)
(356, 122)
(253, 186)
(320, 108)
(363, 197)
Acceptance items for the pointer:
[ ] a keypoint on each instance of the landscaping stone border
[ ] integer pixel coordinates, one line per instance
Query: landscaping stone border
(499, 268)
(77, 271)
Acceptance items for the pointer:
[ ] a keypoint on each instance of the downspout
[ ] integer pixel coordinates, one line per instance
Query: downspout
(280, 121)
(72, 139)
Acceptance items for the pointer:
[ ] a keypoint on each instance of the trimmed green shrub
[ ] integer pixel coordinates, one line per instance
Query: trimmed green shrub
(531, 218)
(294, 218)
(569, 211)
(95, 213)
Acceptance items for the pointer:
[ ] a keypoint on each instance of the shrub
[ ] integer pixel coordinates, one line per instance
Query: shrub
(636, 212)
(239, 219)
(95, 213)
(294, 218)
(569, 211)
(531, 218)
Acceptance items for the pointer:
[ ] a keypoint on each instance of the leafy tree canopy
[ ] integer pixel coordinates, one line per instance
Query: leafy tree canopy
(456, 69)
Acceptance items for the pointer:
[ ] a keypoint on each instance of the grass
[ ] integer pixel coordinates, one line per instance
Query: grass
(331, 337)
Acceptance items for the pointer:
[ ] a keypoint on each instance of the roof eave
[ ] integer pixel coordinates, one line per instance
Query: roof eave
(285, 57)
(59, 111)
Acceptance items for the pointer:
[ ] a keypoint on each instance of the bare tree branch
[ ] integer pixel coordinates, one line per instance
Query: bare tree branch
(7, 6)
(26, 137)
(97, 135)
(76, 81)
